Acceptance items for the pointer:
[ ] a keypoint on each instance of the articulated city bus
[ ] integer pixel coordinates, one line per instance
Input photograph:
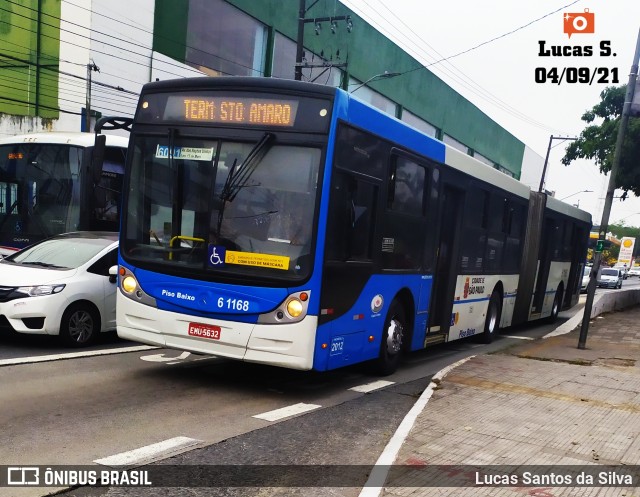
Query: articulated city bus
(291, 224)
(53, 182)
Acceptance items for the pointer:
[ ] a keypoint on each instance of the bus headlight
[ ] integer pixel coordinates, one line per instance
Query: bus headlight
(294, 308)
(129, 284)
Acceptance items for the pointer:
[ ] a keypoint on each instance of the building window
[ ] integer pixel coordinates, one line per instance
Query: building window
(452, 142)
(418, 123)
(223, 39)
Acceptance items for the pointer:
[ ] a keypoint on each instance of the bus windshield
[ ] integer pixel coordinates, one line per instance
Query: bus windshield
(39, 191)
(220, 207)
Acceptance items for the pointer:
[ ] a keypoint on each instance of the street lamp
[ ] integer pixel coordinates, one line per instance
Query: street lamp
(581, 191)
(384, 75)
(546, 160)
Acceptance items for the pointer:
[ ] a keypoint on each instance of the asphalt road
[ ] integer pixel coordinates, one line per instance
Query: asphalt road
(81, 409)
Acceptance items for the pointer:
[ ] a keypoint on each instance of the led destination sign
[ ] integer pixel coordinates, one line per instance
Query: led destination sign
(231, 110)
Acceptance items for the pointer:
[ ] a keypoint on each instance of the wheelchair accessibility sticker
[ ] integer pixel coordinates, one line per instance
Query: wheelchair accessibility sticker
(216, 255)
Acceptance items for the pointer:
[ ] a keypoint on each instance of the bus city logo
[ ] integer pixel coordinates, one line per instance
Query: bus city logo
(377, 303)
(466, 288)
(575, 22)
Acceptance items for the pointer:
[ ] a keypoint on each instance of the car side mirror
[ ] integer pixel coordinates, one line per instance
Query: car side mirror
(113, 274)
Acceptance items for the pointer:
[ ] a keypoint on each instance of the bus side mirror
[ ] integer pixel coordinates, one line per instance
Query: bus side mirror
(97, 158)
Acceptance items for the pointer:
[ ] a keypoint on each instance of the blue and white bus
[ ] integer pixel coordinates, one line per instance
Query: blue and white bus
(55, 182)
(291, 224)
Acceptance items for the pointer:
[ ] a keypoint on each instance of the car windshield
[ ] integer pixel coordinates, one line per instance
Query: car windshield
(238, 208)
(60, 253)
(609, 272)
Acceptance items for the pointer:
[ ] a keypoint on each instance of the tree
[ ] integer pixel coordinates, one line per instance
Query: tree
(597, 142)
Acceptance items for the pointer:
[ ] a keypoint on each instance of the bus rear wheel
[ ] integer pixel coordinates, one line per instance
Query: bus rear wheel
(492, 321)
(555, 308)
(394, 332)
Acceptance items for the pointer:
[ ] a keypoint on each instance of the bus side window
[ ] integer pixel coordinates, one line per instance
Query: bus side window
(351, 219)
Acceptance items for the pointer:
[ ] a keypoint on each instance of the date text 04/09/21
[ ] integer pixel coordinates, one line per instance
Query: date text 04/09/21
(577, 75)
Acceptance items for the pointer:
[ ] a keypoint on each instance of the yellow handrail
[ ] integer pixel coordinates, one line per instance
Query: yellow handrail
(180, 237)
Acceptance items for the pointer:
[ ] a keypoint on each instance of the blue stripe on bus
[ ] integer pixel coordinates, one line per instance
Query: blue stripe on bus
(456, 302)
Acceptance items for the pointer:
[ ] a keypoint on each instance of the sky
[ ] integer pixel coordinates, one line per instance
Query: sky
(499, 76)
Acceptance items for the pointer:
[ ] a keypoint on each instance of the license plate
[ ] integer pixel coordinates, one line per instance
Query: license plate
(204, 331)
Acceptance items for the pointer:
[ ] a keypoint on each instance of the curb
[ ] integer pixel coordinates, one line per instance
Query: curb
(378, 476)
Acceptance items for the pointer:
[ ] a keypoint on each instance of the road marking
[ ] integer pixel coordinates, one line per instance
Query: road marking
(150, 453)
(286, 412)
(162, 358)
(370, 387)
(517, 337)
(73, 355)
(378, 475)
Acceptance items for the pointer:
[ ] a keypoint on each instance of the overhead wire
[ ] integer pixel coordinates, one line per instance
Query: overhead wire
(481, 92)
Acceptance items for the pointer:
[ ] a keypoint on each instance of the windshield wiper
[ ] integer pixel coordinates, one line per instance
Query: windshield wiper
(43, 264)
(238, 180)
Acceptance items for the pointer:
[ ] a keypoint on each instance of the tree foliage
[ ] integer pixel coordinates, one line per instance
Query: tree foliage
(597, 142)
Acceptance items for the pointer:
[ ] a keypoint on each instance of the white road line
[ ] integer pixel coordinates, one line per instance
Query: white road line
(286, 412)
(517, 337)
(378, 475)
(162, 358)
(370, 387)
(73, 355)
(150, 453)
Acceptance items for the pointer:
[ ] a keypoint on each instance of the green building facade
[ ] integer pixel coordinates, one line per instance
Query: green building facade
(258, 38)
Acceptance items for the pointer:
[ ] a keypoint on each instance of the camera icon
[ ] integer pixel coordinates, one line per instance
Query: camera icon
(23, 475)
(579, 22)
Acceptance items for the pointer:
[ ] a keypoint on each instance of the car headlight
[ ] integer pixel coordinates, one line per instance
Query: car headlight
(39, 290)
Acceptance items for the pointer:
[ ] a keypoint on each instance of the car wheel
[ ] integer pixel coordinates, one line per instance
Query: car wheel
(79, 326)
(393, 334)
(555, 307)
(492, 321)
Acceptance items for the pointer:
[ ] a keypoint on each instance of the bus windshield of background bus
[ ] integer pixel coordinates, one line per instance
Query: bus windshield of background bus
(204, 208)
(39, 191)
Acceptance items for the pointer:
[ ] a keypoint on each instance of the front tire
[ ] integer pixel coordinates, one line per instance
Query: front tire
(394, 333)
(79, 326)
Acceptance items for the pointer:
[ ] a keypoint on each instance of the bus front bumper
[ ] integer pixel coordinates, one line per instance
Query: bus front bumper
(284, 345)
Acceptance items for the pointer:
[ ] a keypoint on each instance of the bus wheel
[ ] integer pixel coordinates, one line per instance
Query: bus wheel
(492, 321)
(79, 326)
(555, 308)
(394, 330)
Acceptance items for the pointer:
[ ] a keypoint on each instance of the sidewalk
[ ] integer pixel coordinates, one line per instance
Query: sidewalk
(543, 405)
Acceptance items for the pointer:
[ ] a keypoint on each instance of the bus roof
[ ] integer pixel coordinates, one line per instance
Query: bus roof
(68, 138)
(563, 208)
(238, 83)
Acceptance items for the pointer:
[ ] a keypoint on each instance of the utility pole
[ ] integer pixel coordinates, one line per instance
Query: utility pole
(302, 12)
(604, 224)
(90, 67)
(546, 160)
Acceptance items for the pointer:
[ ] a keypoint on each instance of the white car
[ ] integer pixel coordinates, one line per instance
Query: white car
(61, 286)
(634, 271)
(586, 276)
